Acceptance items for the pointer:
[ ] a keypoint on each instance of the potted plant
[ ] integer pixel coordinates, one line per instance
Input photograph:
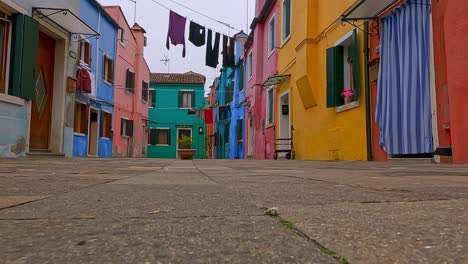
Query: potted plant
(185, 151)
(347, 95)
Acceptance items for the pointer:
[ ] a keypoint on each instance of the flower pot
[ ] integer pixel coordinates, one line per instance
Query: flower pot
(348, 99)
(186, 154)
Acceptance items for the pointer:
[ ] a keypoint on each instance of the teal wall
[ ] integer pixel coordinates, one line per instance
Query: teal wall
(166, 114)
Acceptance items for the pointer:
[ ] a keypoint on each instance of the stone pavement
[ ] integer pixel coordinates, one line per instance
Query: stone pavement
(165, 211)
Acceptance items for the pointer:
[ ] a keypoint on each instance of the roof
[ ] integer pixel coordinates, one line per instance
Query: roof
(177, 78)
(101, 8)
(137, 27)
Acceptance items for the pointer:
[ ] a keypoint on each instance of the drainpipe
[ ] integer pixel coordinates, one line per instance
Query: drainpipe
(367, 94)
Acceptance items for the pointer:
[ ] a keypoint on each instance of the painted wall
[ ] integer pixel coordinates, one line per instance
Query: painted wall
(14, 129)
(320, 132)
(265, 67)
(450, 38)
(167, 114)
(130, 55)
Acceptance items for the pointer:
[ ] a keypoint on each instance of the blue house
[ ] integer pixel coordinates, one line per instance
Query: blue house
(94, 98)
(229, 108)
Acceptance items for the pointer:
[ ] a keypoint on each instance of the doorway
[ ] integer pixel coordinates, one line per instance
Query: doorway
(284, 121)
(181, 132)
(41, 114)
(251, 139)
(93, 132)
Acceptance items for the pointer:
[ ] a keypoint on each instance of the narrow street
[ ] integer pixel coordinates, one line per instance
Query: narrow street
(166, 211)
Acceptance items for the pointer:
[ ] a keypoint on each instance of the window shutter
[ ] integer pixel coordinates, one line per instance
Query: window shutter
(154, 137)
(241, 77)
(24, 56)
(169, 137)
(127, 79)
(239, 129)
(130, 128)
(335, 78)
(122, 125)
(153, 98)
(180, 99)
(193, 99)
(356, 66)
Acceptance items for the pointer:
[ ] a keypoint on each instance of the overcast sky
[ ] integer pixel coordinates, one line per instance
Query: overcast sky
(155, 20)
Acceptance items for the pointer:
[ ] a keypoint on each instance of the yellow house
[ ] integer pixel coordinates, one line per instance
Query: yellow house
(323, 57)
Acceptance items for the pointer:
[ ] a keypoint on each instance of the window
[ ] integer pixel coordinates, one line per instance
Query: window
(160, 136)
(226, 133)
(85, 52)
(5, 25)
(271, 35)
(270, 107)
(108, 69)
(81, 118)
(126, 128)
(250, 65)
(123, 37)
(152, 97)
(130, 81)
(186, 99)
(106, 125)
(286, 26)
(241, 77)
(343, 71)
(229, 92)
(240, 129)
(144, 91)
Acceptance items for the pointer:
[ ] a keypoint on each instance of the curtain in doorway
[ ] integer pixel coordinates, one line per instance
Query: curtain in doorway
(403, 111)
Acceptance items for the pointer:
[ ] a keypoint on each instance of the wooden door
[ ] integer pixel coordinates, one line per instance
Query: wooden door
(42, 101)
(93, 132)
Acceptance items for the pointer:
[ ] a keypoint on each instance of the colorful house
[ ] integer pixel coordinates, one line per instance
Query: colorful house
(321, 58)
(261, 52)
(132, 95)
(209, 140)
(178, 111)
(37, 76)
(222, 112)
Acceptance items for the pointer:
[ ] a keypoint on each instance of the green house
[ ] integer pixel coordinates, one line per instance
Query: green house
(178, 111)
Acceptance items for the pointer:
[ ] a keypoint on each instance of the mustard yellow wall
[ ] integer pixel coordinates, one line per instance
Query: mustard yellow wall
(320, 133)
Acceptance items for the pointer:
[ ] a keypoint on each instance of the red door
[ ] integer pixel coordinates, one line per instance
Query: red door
(42, 101)
(378, 152)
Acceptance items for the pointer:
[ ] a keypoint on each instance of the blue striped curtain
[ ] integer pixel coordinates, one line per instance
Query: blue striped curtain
(403, 111)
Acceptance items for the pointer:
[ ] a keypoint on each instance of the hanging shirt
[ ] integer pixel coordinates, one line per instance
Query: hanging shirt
(83, 81)
(228, 52)
(176, 32)
(209, 116)
(212, 51)
(197, 34)
(92, 78)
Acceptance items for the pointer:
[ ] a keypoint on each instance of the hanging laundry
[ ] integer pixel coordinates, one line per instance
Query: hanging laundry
(92, 79)
(209, 116)
(197, 34)
(212, 51)
(176, 32)
(83, 81)
(228, 52)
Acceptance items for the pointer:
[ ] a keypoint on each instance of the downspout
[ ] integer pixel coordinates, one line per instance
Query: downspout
(367, 94)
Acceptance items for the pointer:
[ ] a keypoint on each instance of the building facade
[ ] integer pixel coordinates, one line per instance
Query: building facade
(261, 55)
(178, 111)
(38, 71)
(132, 95)
(94, 101)
(323, 60)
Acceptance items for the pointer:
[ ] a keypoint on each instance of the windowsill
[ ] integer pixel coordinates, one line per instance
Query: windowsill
(80, 134)
(285, 41)
(123, 44)
(185, 108)
(162, 145)
(124, 136)
(271, 53)
(12, 99)
(128, 92)
(106, 138)
(108, 83)
(347, 107)
(269, 126)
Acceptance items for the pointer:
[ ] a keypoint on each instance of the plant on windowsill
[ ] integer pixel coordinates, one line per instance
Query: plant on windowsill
(185, 151)
(347, 95)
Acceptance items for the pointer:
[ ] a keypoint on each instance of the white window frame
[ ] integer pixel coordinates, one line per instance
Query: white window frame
(267, 123)
(106, 69)
(250, 65)
(123, 134)
(82, 52)
(5, 96)
(78, 133)
(123, 40)
(270, 33)
(183, 128)
(188, 91)
(157, 134)
(285, 38)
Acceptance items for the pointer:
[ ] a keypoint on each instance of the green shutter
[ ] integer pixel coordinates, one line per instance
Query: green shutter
(356, 66)
(153, 98)
(169, 137)
(24, 56)
(193, 99)
(180, 99)
(241, 77)
(335, 78)
(270, 106)
(240, 129)
(153, 137)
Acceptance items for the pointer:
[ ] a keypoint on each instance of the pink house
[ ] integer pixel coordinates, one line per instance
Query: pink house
(262, 59)
(132, 97)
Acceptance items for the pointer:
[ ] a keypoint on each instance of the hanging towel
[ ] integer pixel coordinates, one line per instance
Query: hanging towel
(176, 32)
(228, 52)
(212, 51)
(83, 81)
(209, 116)
(92, 78)
(197, 34)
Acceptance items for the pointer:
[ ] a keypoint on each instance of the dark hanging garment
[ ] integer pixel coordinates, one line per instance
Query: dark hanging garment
(212, 51)
(228, 52)
(197, 34)
(176, 32)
